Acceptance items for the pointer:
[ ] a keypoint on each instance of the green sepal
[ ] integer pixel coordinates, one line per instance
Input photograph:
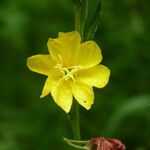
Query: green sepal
(94, 23)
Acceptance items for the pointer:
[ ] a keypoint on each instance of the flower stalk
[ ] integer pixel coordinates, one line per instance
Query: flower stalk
(80, 15)
(85, 145)
(80, 18)
(75, 120)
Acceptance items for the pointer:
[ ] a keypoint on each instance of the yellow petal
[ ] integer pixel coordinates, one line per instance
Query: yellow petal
(40, 63)
(63, 48)
(62, 95)
(83, 94)
(47, 88)
(89, 54)
(54, 76)
(97, 76)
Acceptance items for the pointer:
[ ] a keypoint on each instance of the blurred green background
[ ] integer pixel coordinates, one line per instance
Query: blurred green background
(121, 109)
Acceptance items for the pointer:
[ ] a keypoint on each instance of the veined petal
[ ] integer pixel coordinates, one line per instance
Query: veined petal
(62, 95)
(40, 63)
(63, 48)
(54, 76)
(97, 76)
(89, 55)
(83, 94)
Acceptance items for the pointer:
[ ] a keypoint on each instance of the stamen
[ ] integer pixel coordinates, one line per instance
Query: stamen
(68, 72)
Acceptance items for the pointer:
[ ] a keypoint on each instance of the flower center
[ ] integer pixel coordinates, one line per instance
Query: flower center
(68, 72)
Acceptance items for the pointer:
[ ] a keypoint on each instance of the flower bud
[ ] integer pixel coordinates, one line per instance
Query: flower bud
(106, 144)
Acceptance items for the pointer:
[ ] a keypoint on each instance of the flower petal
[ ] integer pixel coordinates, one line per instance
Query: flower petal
(83, 94)
(63, 48)
(47, 88)
(62, 95)
(89, 54)
(97, 76)
(40, 63)
(54, 76)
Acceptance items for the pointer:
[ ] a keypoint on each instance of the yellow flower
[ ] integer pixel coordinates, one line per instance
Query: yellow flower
(72, 69)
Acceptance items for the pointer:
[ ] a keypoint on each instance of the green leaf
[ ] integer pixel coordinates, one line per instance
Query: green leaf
(93, 25)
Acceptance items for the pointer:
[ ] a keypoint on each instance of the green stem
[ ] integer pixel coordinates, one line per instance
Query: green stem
(80, 15)
(78, 24)
(76, 141)
(76, 146)
(74, 114)
(75, 121)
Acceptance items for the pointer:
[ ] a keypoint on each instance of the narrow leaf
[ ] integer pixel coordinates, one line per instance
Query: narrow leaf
(93, 25)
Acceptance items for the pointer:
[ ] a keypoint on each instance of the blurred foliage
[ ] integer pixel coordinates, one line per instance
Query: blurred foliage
(121, 110)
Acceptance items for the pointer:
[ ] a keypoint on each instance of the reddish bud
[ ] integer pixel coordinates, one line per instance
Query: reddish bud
(107, 144)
